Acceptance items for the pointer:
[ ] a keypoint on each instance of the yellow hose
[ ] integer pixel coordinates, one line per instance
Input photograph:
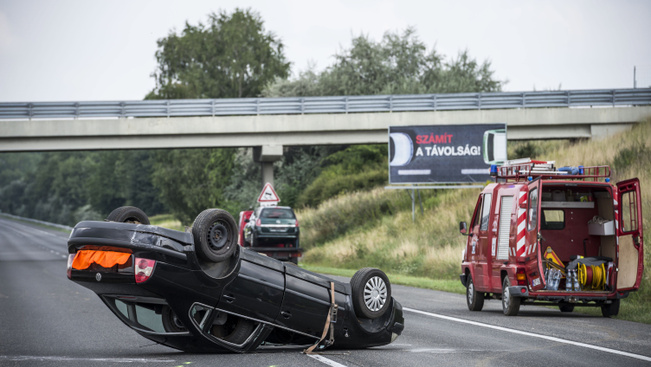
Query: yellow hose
(592, 276)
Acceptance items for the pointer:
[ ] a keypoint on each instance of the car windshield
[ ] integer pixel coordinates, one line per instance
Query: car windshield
(277, 213)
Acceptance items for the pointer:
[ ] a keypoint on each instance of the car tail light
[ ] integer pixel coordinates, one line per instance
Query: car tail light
(71, 258)
(258, 222)
(296, 222)
(521, 277)
(144, 269)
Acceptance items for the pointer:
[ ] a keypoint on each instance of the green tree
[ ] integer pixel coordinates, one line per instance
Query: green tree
(397, 64)
(191, 180)
(232, 56)
(229, 57)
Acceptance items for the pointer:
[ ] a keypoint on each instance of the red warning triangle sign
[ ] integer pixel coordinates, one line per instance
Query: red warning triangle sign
(268, 195)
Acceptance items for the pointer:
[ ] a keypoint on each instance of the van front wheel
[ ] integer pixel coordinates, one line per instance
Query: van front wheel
(474, 299)
(510, 304)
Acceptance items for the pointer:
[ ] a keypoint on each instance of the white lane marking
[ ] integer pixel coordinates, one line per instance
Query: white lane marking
(63, 359)
(325, 360)
(550, 338)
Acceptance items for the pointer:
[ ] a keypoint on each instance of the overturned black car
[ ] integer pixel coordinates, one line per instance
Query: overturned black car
(198, 291)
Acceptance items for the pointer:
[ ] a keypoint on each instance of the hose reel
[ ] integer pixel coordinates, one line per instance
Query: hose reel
(592, 276)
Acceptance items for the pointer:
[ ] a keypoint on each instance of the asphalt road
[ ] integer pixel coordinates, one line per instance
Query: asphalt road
(47, 320)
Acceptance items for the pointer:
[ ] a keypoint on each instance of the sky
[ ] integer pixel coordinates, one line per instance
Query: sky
(100, 50)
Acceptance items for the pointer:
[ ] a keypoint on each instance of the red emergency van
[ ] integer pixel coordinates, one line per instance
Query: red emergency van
(565, 237)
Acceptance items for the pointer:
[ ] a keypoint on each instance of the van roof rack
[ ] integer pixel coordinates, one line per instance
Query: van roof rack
(526, 169)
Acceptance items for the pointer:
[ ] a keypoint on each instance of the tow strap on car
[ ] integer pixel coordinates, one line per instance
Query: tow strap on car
(330, 319)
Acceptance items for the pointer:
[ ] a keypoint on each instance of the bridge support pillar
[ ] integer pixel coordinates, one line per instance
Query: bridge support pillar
(267, 155)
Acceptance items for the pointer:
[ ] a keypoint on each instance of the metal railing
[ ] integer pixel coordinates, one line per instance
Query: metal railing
(308, 105)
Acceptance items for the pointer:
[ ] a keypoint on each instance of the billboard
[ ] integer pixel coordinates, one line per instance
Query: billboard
(445, 153)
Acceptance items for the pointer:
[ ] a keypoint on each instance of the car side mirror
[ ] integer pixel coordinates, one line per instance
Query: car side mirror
(463, 228)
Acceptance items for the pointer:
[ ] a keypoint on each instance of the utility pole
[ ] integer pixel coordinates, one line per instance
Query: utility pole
(634, 77)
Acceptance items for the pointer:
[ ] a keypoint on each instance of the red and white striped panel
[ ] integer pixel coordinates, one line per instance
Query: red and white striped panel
(522, 224)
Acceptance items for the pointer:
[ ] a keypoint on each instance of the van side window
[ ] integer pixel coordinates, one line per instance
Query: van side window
(475, 219)
(553, 219)
(533, 209)
(485, 211)
(629, 212)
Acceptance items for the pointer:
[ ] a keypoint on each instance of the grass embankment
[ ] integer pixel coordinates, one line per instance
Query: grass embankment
(167, 221)
(375, 228)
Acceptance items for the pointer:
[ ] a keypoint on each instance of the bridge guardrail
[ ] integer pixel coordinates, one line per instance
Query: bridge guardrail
(336, 104)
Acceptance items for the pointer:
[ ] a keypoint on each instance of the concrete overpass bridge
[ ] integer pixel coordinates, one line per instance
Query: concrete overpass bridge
(269, 124)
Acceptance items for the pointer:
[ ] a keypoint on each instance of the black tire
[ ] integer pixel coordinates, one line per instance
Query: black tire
(474, 299)
(235, 330)
(293, 260)
(510, 304)
(371, 292)
(609, 310)
(565, 307)
(128, 214)
(171, 322)
(215, 235)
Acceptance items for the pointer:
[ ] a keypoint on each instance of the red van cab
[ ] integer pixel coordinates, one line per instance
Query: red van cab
(564, 237)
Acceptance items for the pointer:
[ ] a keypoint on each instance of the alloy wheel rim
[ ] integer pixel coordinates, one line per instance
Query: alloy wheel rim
(375, 293)
(470, 293)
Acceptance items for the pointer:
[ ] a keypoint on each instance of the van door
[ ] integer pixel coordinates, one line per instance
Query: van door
(527, 242)
(481, 246)
(473, 250)
(630, 236)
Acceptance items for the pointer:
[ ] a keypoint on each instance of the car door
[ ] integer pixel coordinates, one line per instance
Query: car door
(258, 289)
(630, 235)
(306, 303)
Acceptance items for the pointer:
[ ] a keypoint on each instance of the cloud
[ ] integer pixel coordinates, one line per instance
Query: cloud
(7, 40)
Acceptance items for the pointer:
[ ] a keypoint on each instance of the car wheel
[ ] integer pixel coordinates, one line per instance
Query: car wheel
(171, 322)
(293, 260)
(474, 299)
(510, 304)
(371, 292)
(215, 235)
(234, 330)
(254, 240)
(565, 307)
(609, 310)
(128, 214)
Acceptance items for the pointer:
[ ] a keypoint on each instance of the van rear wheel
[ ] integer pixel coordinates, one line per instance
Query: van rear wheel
(474, 299)
(510, 304)
(609, 310)
(566, 307)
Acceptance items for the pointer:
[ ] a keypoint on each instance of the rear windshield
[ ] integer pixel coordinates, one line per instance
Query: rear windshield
(277, 213)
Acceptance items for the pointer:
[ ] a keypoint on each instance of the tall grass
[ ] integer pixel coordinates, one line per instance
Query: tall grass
(375, 228)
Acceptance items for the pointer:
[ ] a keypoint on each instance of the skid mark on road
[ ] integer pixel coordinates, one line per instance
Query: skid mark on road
(539, 336)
